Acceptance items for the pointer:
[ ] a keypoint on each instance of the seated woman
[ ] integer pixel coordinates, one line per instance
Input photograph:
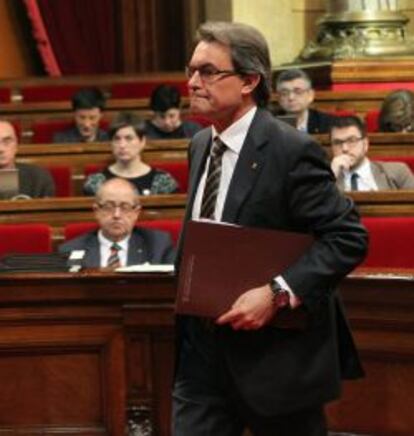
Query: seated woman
(397, 112)
(127, 135)
(166, 122)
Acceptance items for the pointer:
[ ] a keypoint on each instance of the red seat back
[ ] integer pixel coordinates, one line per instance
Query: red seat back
(5, 95)
(25, 238)
(144, 89)
(372, 121)
(178, 169)
(409, 160)
(39, 93)
(62, 176)
(391, 242)
(173, 227)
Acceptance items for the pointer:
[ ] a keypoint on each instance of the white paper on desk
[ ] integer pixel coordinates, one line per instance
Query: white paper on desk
(147, 268)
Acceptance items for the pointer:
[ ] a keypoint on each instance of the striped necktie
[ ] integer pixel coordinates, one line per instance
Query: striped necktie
(354, 181)
(211, 188)
(113, 260)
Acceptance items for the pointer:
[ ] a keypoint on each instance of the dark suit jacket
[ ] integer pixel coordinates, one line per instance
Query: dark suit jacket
(72, 135)
(145, 245)
(319, 122)
(282, 180)
(34, 181)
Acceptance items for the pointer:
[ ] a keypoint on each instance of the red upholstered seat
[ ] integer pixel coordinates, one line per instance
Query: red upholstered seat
(172, 226)
(343, 113)
(62, 176)
(43, 131)
(372, 121)
(391, 242)
(144, 89)
(178, 169)
(5, 95)
(409, 160)
(25, 238)
(48, 92)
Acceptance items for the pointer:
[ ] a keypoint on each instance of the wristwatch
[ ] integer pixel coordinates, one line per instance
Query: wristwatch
(281, 297)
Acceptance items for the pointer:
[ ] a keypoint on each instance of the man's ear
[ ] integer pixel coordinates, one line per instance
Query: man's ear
(251, 81)
(311, 95)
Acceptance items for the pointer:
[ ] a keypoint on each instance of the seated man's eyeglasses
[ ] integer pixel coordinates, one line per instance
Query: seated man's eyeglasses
(110, 207)
(295, 91)
(209, 73)
(351, 141)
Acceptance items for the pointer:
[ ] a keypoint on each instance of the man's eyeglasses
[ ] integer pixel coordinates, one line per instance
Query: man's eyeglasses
(295, 91)
(352, 141)
(110, 207)
(208, 73)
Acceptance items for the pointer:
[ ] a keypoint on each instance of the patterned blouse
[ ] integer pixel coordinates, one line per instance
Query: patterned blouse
(154, 182)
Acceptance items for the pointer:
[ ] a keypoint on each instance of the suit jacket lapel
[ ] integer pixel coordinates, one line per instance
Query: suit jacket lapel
(137, 250)
(92, 257)
(380, 177)
(198, 160)
(248, 167)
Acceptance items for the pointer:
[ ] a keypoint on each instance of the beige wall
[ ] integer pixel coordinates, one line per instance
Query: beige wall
(15, 59)
(286, 24)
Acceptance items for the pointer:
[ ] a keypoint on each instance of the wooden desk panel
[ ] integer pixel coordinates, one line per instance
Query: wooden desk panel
(90, 350)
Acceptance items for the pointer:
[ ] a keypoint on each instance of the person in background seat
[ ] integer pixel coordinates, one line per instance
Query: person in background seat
(127, 135)
(166, 122)
(88, 105)
(353, 169)
(33, 181)
(118, 242)
(295, 95)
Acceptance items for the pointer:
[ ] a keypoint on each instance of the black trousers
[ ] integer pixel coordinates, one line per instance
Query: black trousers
(205, 403)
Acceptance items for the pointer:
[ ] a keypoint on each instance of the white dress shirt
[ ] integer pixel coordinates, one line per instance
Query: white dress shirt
(366, 181)
(233, 137)
(105, 249)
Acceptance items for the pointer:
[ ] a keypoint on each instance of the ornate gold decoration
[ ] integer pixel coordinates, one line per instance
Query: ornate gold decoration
(359, 34)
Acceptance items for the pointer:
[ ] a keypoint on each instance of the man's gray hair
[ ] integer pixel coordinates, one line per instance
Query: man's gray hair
(249, 52)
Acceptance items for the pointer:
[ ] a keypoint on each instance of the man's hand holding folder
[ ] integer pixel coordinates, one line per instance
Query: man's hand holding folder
(226, 269)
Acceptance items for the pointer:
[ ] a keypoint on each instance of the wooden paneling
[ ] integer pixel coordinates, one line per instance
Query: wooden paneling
(81, 352)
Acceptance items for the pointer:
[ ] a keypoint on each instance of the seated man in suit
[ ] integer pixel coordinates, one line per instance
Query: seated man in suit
(295, 95)
(88, 105)
(33, 181)
(118, 242)
(351, 166)
(166, 122)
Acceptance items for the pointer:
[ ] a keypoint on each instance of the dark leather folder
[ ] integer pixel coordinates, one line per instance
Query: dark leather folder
(222, 261)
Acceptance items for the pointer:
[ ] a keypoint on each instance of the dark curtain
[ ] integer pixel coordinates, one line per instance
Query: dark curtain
(82, 34)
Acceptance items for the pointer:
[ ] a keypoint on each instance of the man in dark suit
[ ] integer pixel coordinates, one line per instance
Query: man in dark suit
(238, 371)
(353, 169)
(33, 181)
(118, 242)
(88, 105)
(295, 95)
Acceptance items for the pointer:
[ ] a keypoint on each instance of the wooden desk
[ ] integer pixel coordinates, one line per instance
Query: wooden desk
(384, 203)
(83, 354)
(79, 353)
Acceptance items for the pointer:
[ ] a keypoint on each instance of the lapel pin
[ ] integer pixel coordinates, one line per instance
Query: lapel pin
(254, 166)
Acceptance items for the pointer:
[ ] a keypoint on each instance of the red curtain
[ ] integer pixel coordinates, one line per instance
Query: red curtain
(81, 34)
